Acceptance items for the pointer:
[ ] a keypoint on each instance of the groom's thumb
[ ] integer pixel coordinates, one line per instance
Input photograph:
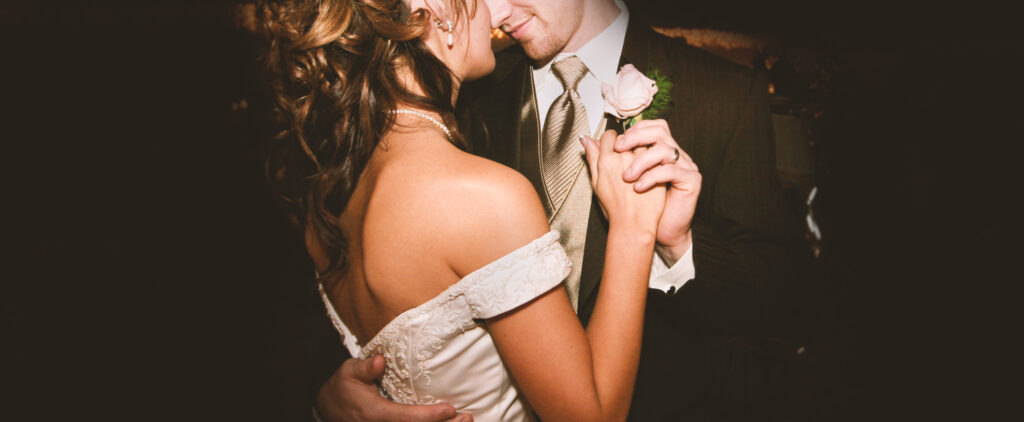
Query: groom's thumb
(369, 369)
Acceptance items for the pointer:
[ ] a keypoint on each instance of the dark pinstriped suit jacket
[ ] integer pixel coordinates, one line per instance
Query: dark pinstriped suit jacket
(720, 116)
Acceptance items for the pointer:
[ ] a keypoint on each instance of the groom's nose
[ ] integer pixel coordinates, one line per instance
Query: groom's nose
(500, 11)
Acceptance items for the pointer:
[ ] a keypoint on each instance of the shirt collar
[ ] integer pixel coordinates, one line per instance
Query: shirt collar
(600, 54)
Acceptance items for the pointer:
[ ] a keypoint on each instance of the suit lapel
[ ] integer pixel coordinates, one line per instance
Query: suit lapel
(529, 134)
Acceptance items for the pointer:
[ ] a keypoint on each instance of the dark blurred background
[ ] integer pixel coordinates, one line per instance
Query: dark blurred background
(149, 275)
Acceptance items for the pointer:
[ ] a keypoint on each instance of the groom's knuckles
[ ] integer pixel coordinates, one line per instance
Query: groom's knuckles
(645, 161)
(680, 178)
(656, 126)
(689, 181)
(645, 132)
(651, 178)
(651, 122)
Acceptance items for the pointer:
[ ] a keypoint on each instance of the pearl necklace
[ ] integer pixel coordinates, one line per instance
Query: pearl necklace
(426, 117)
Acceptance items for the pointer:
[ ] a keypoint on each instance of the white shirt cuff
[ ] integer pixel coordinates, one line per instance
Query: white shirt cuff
(670, 280)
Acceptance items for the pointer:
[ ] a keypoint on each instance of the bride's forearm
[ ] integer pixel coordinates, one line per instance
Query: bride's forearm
(616, 326)
(571, 374)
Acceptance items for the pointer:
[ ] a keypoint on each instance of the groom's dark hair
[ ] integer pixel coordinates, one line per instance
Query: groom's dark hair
(333, 68)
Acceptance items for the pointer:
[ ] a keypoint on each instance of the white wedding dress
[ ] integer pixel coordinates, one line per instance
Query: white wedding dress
(441, 351)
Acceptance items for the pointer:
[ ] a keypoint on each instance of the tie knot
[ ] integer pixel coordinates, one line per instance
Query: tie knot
(569, 71)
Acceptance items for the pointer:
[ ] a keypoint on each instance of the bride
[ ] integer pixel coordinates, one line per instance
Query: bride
(441, 261)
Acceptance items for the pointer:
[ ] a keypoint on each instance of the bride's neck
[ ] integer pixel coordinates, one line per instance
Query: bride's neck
(405, 77)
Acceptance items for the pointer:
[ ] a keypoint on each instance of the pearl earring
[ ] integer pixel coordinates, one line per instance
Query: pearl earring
(446, 26)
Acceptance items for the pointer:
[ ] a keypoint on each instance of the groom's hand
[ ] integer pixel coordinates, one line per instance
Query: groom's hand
(350, 395)
(663, 162)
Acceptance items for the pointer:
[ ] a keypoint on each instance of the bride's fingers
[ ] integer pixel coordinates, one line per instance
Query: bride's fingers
(592, 152)
(607, 141)
(609, 161)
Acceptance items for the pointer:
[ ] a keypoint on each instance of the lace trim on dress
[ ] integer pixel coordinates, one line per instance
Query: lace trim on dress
(495, 288)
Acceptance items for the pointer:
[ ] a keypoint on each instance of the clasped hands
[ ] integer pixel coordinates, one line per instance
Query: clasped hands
(657, 161)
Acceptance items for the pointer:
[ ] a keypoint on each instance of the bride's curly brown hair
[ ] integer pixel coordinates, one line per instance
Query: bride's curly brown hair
(333, 67)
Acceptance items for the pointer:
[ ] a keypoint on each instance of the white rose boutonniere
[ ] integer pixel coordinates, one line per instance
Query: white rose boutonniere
(635, 96)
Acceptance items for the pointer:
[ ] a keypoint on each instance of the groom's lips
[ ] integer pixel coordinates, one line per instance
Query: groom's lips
(518, 31)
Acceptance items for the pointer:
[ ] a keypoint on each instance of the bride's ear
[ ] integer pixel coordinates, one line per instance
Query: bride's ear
(442, 19)
(436, 8)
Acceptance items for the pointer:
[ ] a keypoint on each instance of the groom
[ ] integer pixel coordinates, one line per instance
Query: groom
(715, 258)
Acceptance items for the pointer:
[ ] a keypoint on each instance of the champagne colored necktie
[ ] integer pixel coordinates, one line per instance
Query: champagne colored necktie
(563, 167)
(562, 156)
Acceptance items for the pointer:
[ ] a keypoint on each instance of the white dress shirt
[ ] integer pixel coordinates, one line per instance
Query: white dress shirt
(601, 55)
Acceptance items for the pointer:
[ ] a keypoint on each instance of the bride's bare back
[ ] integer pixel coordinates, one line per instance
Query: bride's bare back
(423, 215)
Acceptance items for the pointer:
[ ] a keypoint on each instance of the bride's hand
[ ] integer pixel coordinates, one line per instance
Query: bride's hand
(621, 204)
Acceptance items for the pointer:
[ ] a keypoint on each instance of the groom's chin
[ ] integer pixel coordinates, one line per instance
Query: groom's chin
(541, 51)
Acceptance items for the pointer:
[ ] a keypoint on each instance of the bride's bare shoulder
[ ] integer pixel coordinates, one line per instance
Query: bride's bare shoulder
(475, 208)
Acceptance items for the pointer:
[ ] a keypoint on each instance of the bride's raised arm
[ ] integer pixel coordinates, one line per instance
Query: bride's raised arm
(568, 373)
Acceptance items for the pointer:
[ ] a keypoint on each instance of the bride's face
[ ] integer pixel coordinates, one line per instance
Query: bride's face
(479, 56)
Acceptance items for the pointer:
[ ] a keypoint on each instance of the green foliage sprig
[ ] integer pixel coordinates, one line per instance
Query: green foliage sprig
(663, 99)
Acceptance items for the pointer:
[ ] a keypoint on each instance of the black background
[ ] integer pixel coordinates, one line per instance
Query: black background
(148, 274)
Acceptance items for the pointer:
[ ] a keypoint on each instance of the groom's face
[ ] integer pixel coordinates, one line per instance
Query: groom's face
(542, 27)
